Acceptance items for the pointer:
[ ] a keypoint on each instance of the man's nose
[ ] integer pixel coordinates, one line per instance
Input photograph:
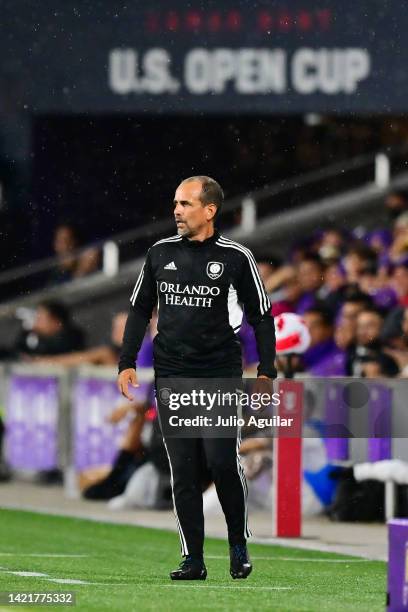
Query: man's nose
(178, 209)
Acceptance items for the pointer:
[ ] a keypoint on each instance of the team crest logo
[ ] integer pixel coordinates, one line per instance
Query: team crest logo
(215, 269)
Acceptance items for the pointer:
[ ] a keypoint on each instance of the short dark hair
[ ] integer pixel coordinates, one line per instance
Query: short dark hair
(388, 365)
(354, 296)
(313, 258)
(211, 191)
(72, 227)
(323, 312)
(56, 309)
(362, 250)
(370, 268)
(399, 193)
(373, 309)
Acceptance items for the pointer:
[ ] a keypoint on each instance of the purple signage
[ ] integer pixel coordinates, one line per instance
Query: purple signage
(397, 596)
(336, 423)
(95, 440)
(379, 423)
(32, 422)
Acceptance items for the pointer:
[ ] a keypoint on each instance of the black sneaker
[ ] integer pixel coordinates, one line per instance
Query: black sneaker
(191, 568)
(240, 566)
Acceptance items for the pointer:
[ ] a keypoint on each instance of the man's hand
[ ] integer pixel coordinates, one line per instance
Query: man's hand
(118, 414)
(263, 385)
(125, 378)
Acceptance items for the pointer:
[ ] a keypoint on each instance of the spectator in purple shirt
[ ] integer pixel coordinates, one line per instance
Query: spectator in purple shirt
(384, 297)
(368, 339)
(323, 357)
(357, 258)
(310, 272)
(334, 289)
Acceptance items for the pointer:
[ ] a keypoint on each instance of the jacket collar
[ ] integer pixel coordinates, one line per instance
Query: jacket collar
(197, 244)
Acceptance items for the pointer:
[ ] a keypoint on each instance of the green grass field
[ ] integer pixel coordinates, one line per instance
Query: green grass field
(126, 568)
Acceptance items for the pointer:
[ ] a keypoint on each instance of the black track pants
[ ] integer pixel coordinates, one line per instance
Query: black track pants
(189, 459)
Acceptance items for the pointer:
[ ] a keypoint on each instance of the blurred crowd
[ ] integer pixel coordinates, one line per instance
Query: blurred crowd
(351, 288)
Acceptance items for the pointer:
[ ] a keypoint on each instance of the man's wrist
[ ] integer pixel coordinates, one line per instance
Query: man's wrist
(126, 366)
(272, 374)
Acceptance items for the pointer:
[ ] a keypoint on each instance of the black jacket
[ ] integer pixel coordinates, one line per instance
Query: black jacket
(199, 288)
(67, 340)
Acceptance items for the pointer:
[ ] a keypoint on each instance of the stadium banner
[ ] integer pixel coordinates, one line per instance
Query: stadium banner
(178, 57)
(379, 446)
(336, 417)
(31, 421)
(397, 591)
(95, 439)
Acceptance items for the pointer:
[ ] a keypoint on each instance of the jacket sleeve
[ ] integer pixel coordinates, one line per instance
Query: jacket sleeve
(252, 295)
(142, 302)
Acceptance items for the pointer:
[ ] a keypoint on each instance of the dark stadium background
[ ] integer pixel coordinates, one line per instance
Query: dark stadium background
(125, 167)
(300, 111)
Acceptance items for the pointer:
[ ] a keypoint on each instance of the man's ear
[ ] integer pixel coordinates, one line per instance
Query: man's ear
(211, 211)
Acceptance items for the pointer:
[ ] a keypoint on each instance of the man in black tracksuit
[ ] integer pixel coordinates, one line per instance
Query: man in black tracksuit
(198, 279)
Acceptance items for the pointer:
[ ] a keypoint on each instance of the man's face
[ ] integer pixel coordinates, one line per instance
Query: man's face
(350, 311)
(310, 275)
(64, 240)
(333, 277)
(354, 264)
(371, 369)
(344, 334)
(190, 214)
(368, 328)
(265, 270)
(292, 290)
(319, 331)
(368, 283)
(332, 238)
(45, 324)
(405, 324)
(400, 281)
(395, 203)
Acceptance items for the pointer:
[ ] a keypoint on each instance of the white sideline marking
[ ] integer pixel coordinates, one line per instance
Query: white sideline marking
(68, 581)
(50, 555)
(171, 585)
(220, 586)
(27, 573)
(63, 580)
(306, 559)
(117, 584)
(44, 576)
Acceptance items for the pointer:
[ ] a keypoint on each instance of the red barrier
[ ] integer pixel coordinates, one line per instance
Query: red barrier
(287, 463)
